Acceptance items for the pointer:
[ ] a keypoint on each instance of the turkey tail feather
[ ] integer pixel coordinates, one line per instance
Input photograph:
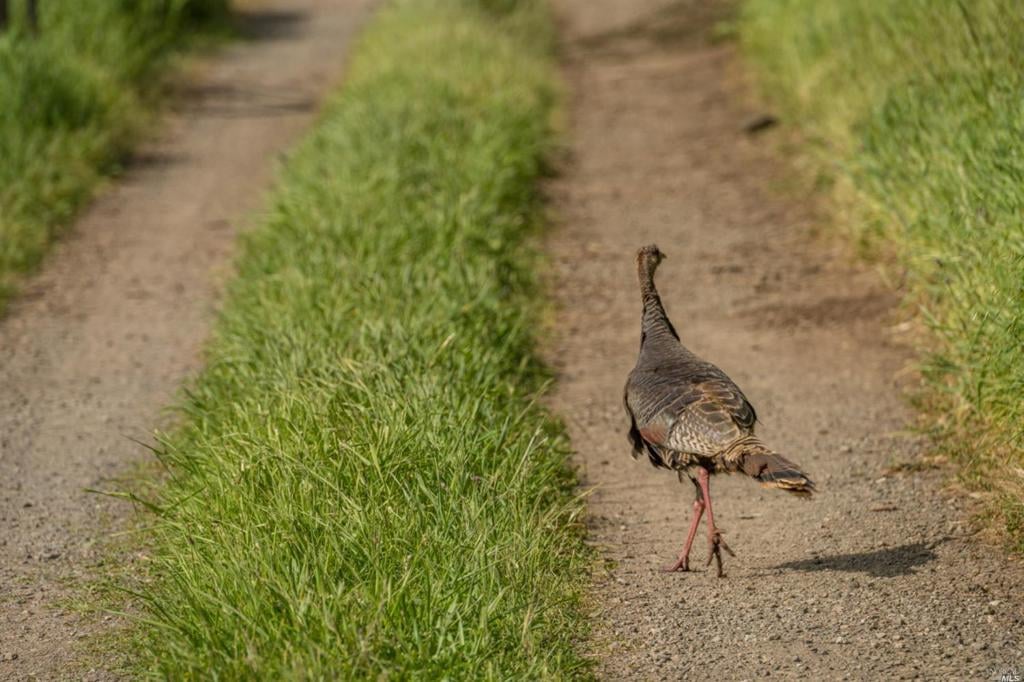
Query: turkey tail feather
(774, 470)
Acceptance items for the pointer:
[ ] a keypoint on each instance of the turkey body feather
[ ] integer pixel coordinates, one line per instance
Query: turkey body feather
(686, 414)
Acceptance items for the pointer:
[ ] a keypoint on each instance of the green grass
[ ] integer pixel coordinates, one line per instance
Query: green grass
(366, 486)
(914, 110)
(71, 101)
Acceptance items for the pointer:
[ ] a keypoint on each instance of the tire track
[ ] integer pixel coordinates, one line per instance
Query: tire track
(878, 577)
(102, 338)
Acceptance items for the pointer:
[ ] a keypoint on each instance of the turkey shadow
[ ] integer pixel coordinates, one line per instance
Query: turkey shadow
(880, 563)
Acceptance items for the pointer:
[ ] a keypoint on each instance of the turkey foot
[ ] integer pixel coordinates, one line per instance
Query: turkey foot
(716, 545)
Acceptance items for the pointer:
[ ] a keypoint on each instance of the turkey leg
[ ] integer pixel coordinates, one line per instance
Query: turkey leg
(715, 541)
(698, 510)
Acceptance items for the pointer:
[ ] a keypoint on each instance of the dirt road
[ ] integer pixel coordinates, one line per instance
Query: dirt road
(99, 342)
(878, 577)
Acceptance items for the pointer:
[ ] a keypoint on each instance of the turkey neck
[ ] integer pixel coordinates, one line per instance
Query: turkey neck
(656, 328)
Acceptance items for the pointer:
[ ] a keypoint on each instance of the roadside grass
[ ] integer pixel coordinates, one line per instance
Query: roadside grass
(913, 111)
(365, 485)
(71, 102)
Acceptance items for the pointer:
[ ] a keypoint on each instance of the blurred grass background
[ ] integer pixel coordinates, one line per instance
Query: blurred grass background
(72, 98)
(366, 486)
(914, 113)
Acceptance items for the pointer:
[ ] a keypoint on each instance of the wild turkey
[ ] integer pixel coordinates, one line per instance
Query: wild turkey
(688, 415)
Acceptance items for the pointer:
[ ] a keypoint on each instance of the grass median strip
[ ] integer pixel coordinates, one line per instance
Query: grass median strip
(365, 484)
(914, 109)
